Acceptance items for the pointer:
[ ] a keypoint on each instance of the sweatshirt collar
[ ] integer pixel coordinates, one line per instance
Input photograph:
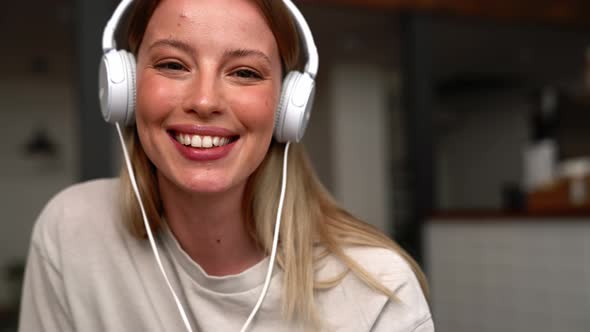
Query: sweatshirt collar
(246, 280)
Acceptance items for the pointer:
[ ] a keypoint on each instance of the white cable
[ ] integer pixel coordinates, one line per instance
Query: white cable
(275, 241)
(155, 249)
(149, 231)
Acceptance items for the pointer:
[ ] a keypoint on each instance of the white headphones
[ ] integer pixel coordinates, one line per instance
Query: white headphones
(117, 81)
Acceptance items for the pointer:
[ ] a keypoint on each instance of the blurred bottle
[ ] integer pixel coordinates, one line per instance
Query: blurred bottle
(544, 116)
(541, 154)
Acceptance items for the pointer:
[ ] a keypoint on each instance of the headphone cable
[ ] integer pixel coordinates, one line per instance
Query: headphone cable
(275, 241)
(155, 248)
(149, 230)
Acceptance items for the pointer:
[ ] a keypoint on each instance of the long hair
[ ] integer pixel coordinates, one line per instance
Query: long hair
(311, 217)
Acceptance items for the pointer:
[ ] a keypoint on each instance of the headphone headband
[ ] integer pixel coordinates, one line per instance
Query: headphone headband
(311, 52)
(108, 35)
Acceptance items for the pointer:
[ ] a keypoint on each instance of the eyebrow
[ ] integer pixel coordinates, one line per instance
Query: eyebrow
(175, 43)
(233, 53)
(242, 52)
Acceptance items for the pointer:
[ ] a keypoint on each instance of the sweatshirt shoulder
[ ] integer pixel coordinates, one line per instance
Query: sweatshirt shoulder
(389, 268)
(86, 194)
(410, 307)
(76, 208)
(385, 264)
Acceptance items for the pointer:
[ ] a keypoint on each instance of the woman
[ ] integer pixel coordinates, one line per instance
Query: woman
(209, 76)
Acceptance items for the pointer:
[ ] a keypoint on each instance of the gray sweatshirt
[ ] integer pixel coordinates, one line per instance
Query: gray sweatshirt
(86, 272)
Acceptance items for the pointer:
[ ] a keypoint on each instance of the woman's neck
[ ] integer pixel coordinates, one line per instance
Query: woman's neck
(211, 228)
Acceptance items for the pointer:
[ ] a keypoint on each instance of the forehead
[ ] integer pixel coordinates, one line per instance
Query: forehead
(237, 21)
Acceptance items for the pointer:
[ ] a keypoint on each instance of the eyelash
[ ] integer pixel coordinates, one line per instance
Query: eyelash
(176, 66)
(170, 65)
(252, 75)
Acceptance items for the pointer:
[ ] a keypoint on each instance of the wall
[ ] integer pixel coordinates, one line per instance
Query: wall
(360, 142)
(36, 91)
(350, 138)
(28, 181)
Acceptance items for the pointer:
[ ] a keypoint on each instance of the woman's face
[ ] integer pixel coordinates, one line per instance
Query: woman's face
(208, 82)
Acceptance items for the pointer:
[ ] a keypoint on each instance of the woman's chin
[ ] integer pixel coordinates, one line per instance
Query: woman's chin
(202, 182)
(207, 186)
(207, 189)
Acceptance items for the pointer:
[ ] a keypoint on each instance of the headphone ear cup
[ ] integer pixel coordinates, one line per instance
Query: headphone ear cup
(287, 86)
(294, 108)
(131, 86)
(116, 81)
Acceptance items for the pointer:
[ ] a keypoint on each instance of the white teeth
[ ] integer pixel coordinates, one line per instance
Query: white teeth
(198, 141)
(207, 142)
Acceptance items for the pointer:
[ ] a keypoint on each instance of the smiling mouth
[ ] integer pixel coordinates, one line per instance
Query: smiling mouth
(203, 141)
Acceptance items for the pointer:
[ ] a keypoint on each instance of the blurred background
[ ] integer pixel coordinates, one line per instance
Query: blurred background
(459, 127)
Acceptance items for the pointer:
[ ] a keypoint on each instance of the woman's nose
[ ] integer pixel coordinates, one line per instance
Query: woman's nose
(204, 95)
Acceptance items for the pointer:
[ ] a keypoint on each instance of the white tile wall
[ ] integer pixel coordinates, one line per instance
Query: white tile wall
(509, 275)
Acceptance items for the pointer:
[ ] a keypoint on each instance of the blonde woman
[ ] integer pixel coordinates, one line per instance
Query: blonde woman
(198, 253)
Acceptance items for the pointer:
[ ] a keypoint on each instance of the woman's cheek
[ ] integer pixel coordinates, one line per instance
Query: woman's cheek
(259, 109)
(156, 99)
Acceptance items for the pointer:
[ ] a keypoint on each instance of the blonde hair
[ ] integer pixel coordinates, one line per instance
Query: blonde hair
(310, 217)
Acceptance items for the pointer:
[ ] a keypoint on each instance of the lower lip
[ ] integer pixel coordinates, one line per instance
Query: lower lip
(198, 154)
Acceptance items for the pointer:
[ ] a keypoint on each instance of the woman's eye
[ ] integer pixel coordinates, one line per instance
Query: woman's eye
(247, 74)
(173, 66)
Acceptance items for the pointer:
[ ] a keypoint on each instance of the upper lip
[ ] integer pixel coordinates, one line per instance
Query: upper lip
(202, 130)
